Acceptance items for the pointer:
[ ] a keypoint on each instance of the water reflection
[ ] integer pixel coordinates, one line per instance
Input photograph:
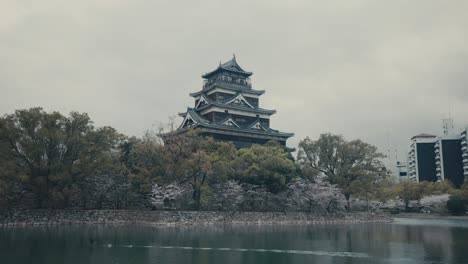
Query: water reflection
(404, 241)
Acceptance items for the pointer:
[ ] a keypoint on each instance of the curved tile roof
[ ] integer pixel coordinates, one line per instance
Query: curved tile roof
(228, 86)
(238, 107)
(202, 122)
(230, 66)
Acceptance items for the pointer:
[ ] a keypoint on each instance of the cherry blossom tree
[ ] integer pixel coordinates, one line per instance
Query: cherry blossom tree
(320, 196)
(229, 196)
(434, 203)
(165, 197)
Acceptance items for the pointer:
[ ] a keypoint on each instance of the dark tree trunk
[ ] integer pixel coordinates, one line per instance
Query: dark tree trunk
(196, 198)
(348, 203)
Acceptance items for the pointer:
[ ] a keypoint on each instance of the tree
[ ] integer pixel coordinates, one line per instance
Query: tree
(269, 166)
(319, 196)
(384, 190)
(12, 177)
(55, 150)
(342, 162)
(434, 203)
(411, 192)
(229, 195)
(456, 205)
(258, 198)
(197, 161)
(146, 162)
(165, 197)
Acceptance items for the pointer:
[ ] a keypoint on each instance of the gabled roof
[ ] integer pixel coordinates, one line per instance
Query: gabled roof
(194, 116)
(200, 121)
(257, 125)
(232, 87)
(204, 99)
(230, 66)
(238, 107)
(228, 121)
(240, 97)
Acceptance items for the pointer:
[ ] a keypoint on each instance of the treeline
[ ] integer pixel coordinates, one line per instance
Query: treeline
(48, 160)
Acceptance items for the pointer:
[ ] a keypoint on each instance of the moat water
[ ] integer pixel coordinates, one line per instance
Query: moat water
(403, 241)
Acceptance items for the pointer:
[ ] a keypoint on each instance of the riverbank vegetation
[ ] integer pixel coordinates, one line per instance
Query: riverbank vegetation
(49, 160)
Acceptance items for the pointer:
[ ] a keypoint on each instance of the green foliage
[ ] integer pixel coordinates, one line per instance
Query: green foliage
(196, 161)
(413, 191)
(54, 152)
(268, 166)
(410, 193)
(456, 205)
(354, 166)
(383, 190)
(462, 191)
(48, 160)
(144, 160)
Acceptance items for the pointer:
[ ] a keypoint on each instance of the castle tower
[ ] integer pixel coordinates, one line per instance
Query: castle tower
(228, 109)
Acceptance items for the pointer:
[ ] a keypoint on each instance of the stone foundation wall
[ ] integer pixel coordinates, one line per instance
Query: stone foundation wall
(54, 217)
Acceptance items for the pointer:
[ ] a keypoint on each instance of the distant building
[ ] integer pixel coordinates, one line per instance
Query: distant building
(448, 159)
(402, 170)
(433, 158)
(464, 140)
(228, 109)
(421, 158)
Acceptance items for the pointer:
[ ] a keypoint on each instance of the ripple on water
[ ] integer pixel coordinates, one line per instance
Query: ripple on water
(259, 250)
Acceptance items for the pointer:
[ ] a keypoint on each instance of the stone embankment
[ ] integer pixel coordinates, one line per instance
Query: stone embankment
(58, 217)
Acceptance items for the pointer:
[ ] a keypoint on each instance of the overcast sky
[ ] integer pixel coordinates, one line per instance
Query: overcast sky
(381, 71)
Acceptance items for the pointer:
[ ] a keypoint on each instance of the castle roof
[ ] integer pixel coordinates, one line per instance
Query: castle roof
(201, 122)
(229, 86)
(225, 104)
(230, 66)
(226, 108)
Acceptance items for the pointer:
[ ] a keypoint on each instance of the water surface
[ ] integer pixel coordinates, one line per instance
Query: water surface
(404, 241)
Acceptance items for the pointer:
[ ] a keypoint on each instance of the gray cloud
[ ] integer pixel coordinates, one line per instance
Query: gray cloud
(375, 70)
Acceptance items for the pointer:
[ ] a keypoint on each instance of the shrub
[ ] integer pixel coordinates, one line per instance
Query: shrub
(434, 203)
(456, 205)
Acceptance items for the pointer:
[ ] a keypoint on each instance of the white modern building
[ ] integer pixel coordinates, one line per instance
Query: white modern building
(448, 159)
(464, 146)
(448, 155)
(402, 171)
(421, 158)
(438, 158)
